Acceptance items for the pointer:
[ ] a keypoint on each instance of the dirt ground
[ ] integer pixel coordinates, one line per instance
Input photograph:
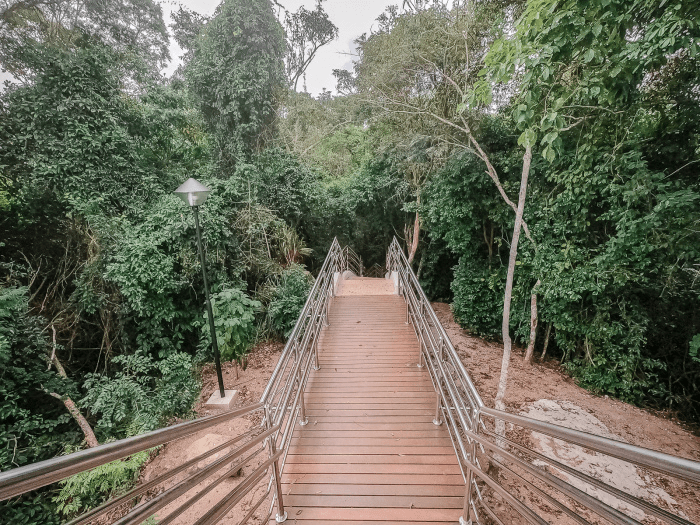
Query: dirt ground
(544, 392)
(541, 391)
(250, 383)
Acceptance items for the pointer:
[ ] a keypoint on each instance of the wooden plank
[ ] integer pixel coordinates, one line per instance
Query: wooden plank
(371, 468)
(378, 490)
(338, 514)
(370, 453)
(375, 479)
(409, 501)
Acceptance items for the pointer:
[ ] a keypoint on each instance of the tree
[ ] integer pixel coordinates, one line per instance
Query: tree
(235, 72)
(307, 32)
(130, 27)
(587, 69)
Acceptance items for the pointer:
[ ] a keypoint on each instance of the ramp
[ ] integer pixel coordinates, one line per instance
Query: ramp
(370, 452)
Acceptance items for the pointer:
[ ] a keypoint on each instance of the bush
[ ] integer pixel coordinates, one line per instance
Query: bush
(288, 300)
(89, 489)
(478, 297)
(234, 321)
(142, 396)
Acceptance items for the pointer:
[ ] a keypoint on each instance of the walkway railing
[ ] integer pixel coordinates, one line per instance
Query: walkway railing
(264, 446)
(520, 470)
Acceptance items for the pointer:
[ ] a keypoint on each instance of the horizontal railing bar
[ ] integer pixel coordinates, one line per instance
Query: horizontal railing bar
(91, 514)
(254, 508)
(30, 477)
(640, 503)
(332, 255)
(522, 509)
(681, 468)
(399, 253)
(602, 509)
(552, 500)
(237, 494)
(206, 490)
(142, 512)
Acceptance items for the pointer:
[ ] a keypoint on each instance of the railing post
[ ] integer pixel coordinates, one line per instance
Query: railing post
(438, 403)
(316, 365)
(281, 513)
(464, 518)
(303, 420)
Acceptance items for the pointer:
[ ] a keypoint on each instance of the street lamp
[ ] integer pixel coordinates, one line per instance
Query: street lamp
(194, 194)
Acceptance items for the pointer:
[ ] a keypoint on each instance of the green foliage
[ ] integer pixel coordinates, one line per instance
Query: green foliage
(91, 488)
(74, 134)
(33, 425)
(288, 300)
(234, 73)
(142, 396)
(477, 292)
(694, 348)
(234, 321)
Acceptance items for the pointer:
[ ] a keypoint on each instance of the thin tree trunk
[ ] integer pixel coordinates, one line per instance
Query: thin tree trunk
(533, 324)
(68, 402)
(505, 328)
(546, 341)
(414, 240)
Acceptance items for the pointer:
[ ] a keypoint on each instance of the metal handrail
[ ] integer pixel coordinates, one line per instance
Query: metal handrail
(31, 477)
(460, 406)
(282, 404)
(283, 397)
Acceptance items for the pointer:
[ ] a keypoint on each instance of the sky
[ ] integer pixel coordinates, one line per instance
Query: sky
(353, 17)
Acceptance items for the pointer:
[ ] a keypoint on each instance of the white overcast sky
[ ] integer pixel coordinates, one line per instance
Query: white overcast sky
(353, 17)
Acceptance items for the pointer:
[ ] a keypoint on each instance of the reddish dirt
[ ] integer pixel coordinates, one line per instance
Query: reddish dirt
(527, 385)
(250, 383)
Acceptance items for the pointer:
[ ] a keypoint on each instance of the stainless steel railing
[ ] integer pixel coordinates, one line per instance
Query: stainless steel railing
(265, 446)
(353, 262)
(482, 450)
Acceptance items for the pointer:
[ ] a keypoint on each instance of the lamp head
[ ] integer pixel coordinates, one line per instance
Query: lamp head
(193, 192)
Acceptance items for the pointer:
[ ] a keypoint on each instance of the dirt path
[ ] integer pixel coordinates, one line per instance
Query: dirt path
(543, 391)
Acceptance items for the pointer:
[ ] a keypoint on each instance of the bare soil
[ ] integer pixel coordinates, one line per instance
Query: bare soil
(251, 383)
(545, 392)
(542, 391)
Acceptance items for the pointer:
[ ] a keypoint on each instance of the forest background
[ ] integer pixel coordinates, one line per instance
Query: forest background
(460, 122)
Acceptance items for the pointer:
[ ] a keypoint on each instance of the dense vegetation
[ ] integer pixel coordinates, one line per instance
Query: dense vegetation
(448, 106)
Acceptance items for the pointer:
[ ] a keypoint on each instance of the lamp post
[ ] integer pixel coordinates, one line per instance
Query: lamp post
(194, 194)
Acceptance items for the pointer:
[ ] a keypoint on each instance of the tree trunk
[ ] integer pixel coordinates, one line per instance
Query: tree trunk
(505, 328)
(68, 402)
(533, 324)
(80, 419)
(546, 341)
(414, 240)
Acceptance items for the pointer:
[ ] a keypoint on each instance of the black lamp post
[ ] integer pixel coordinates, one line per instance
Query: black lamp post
(195, 194)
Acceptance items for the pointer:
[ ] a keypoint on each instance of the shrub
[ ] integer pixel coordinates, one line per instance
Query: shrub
(288, 300)
(142, 396)
(89, 489)
(234, 321)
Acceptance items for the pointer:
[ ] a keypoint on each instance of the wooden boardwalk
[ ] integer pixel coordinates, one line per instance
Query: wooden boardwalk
(370, 453)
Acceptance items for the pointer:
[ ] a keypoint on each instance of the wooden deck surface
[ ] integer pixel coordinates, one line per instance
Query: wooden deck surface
(370, 453)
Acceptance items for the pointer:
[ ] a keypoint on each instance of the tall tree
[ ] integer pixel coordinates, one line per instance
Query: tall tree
(131, 27)
(235, 71)
(307, 32)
